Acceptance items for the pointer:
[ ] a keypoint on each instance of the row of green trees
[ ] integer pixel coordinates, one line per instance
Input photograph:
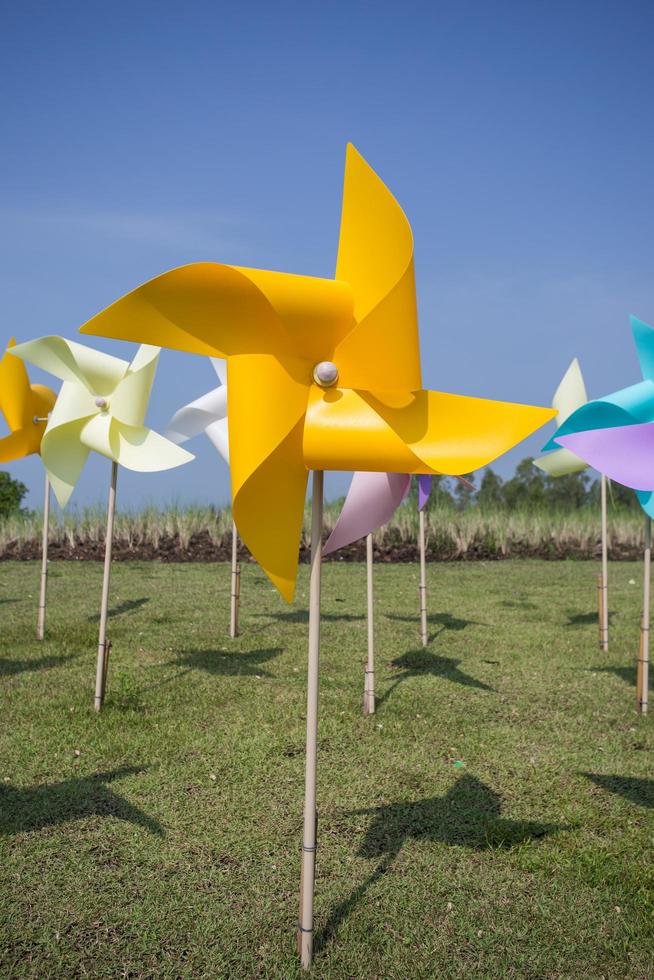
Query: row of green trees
(528, 489)
(12, 493)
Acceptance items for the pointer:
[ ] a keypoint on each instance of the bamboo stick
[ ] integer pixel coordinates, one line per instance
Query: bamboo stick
(643, 660)
(40, 625)
(369, 675)
(307, 885)
(236, 586)
(423, 583)
(604, 623)
(101, 667)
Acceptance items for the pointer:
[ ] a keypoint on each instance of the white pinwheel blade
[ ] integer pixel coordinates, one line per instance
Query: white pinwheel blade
(561, 462)
(571, 393)
(220, 367)
(218, 433)
(130, 399)
(195, 418)
(93, 369)
(145, 451)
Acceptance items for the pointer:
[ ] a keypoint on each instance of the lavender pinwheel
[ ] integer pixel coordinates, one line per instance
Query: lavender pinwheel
(615, 434)
(370, 503)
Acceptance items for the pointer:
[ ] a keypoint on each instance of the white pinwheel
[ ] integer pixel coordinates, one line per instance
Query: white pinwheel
(206, 414)
(101, 408)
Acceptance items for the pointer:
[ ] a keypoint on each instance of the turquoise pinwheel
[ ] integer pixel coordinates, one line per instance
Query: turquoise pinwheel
(615, 434)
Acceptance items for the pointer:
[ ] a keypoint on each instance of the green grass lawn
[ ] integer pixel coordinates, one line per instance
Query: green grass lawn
(494, 818)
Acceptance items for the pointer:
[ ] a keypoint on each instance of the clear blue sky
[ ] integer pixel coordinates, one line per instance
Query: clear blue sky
(517, 136)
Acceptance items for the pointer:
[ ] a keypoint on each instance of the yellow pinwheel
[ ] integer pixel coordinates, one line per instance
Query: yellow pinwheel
(323, 373)
(101, 408)
(24, 406)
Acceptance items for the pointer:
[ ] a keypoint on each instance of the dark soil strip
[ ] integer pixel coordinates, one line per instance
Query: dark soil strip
(201, 548)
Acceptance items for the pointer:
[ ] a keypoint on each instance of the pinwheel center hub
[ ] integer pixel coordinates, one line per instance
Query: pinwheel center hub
(325, 374)
(102, 404)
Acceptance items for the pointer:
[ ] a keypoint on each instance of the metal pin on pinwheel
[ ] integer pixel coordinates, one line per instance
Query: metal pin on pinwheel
(208, 415)
(25, 408)
(323, 374)
(615, 435)
(568, 397)
(100, 408)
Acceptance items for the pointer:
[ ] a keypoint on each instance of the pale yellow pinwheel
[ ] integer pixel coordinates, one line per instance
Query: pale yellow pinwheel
(101, 408)
(568, 397)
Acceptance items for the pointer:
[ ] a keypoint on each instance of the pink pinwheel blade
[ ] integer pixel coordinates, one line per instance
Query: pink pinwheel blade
(371, 501)
(624, 453)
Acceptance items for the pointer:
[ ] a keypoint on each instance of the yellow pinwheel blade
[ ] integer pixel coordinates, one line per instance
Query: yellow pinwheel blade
(375, 255)
(268, 480)
(222, 310)
(423, 431)
(269, 509)
(21, 403)
(14, 389)
(14, 446)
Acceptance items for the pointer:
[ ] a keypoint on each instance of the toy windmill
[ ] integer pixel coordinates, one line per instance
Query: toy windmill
(615, 435)
(208, 415)
(568, 397)
(100, 408)
(25, 408)
(322, 374)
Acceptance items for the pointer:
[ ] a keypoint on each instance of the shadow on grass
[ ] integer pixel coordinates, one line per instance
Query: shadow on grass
(302, 616)
(469, 815)
(625, 673)
(640, 791)
(128, 606)
(5, 601)
(230, 664)
(8, 667)
(586, 619)
(418, 663)
(444, 620)
(524, 604)
(23, 810)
